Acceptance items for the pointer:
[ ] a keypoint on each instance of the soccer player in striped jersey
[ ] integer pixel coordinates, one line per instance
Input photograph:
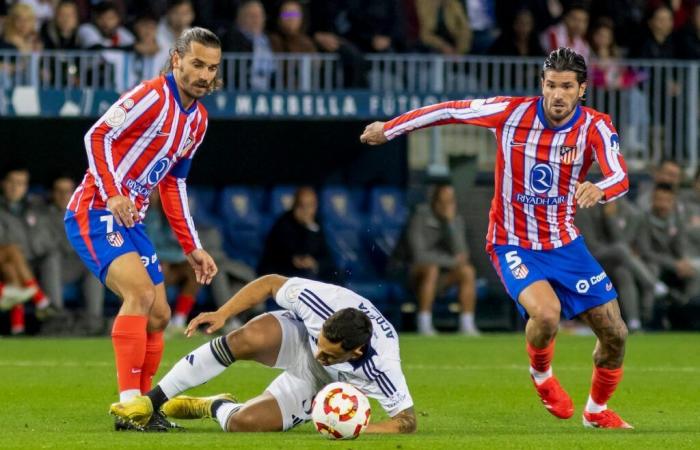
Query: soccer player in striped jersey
(325, 333)
(147, 139)
(546, 145)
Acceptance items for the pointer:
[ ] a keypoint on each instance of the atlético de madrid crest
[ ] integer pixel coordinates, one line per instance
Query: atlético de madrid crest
(568, 154)
(115, 239)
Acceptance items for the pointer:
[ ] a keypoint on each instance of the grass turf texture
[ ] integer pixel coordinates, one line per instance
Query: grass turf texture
(469, 393)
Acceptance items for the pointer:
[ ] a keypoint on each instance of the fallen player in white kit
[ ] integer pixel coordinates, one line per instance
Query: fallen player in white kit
(326, 333)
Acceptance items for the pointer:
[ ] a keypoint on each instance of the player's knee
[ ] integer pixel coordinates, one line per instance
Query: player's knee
(241, 343)
(616, 338)
(467, 273)
(242, 421)
(547, 318)
(142, 295)
(158, 321)
(427, 273)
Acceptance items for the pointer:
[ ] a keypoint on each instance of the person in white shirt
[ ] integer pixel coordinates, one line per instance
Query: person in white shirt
(325, 333)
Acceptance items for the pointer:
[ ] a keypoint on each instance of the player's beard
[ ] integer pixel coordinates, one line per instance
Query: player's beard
(190, 88)
(559, 116)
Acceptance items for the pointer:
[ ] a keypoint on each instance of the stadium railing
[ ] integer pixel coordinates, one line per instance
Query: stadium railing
(654, 104)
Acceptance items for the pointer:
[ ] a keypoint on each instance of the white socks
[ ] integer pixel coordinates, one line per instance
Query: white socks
(425, 323)
(198, 367)
(225, 411)
(179, 320)
(594, 407)
(540, 377)
(127, 395)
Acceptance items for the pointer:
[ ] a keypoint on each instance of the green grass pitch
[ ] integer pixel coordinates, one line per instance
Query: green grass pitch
(468, 393)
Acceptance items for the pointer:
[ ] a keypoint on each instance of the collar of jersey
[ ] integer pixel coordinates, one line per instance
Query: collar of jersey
(170, 78)
(543, 119)
(366, 356)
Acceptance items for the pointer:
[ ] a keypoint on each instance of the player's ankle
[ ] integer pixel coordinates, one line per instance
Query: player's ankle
(540, 377)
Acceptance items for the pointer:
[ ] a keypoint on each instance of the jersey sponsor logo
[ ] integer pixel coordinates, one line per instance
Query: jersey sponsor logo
(608, 287)
(568, 154)
(520, 272)
(582, 286)
(541, 178)
(138, 188)
(395, 400)
(535, 200)
(115, 239)
(615, 143)
(158, 171)
(377, 317)
(116, 116)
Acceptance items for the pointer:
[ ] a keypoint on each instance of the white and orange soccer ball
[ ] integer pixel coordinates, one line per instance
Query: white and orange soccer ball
(340, 411)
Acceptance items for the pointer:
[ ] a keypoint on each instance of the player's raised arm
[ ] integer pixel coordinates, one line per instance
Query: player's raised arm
(253, 293)
(480, 112)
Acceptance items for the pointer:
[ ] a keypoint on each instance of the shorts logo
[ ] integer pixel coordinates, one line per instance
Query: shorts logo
(568, 154)
(582, 286)
(520, 272)
(541, 178)
(608, 286)
(158, 171)
(115, 239)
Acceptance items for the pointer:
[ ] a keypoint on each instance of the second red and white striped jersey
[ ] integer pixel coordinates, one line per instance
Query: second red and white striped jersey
(146, 139)
(537, 166)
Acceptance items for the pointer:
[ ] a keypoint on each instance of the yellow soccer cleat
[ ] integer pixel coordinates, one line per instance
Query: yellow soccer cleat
(185, 407)
(137, 411)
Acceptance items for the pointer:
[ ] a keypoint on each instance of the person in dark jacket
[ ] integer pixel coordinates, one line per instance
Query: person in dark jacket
(296, 244)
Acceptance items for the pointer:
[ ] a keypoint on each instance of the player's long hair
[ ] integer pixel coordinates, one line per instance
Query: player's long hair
(182, 46)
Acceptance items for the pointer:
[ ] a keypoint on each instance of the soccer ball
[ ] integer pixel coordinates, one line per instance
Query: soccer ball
(340, 411)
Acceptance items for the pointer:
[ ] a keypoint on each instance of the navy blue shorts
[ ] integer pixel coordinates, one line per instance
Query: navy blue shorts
(99, 239)
(576, 277)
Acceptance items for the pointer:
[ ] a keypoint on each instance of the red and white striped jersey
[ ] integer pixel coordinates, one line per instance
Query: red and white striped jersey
(537, 166)
(146, 139)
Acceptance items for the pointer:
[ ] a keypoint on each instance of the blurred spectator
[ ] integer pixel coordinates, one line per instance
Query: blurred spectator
(570, 32)
(627, 17)
(86, 11)
(439, 258)
(106, 30)
(520, 39)
(668, 171)
(330, 23)
(657, 41)
(681, 10)
(149, 56)
(24, 223)
(663, 244)
(248, 36)
(689, 37)
(179, 17)
(216, 15)
(13, 293)
(482, 17)
(43, 9)
(606, 72)
(296, 244)
(610, 231)
(20, 30)
(176, 270)
(62, 31)
(92, 322)
(375, 26)
(545, 12)
(290, 36)
(444, 26)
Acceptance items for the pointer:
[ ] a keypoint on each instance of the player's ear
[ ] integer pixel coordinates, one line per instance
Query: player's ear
(357, 353)
(176, 60)
(582, 90)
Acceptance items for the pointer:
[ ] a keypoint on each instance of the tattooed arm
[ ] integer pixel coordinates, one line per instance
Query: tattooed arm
(403, 422)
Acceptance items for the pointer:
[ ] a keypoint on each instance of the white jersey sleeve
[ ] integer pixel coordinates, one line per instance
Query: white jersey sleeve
(387, 384)
(312, 301)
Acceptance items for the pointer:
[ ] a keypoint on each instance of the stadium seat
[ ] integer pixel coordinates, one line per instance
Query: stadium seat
(202, 202)
(387, 206)
(338, 208)
(240, 207)
(281, 199)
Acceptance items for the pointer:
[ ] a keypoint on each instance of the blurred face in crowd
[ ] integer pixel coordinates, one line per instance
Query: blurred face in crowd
(67, 17)
(251, 18)
(669, 173)
(602, 38)
(661, 22)
(444, 203)
(523, 25)
(561, 92)
(662, 203)
(22, 20)
(181, 16)
(15, 185)
(196, 70)
(62, 191)
(290, 19)
(305, 206)
(146, 29)
(696, 17)
(108, 22)
(576, 22)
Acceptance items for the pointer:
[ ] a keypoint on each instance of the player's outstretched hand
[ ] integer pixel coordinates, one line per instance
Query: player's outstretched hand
(214, 320)
(588, 194)
(123, 210)
(203, 265)
(374, 134)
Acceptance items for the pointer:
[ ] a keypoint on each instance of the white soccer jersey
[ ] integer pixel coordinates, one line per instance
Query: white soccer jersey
(378, 373)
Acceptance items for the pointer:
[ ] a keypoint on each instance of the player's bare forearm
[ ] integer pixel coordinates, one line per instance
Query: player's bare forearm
(253, 293)
(403, 422)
